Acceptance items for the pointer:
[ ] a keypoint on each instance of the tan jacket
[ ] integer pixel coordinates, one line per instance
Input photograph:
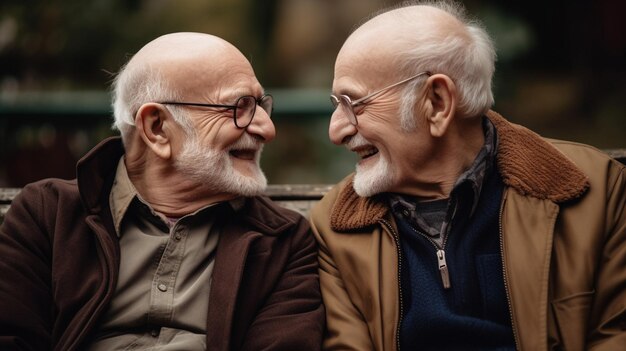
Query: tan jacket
(563, 242)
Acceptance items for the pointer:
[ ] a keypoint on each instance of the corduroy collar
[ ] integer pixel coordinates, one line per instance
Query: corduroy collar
(527, 163)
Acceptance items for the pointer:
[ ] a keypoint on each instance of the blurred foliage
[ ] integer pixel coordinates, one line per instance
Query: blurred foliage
(560, 71)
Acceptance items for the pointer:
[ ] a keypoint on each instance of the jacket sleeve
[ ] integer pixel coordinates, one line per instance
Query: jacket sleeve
(25, 287)
(293, 311)
(608, 318)
(346, 329)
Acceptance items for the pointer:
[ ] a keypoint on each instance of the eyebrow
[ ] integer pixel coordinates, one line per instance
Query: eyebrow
(239, 92)
(351, 93)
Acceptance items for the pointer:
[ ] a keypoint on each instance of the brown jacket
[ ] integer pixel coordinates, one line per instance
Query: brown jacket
(59, 260)
(563, 242)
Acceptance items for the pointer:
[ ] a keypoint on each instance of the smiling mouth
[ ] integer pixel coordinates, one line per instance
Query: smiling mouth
(365, 152)
(244, 154)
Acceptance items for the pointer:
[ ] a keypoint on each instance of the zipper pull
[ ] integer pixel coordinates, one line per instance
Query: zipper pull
(443, 269)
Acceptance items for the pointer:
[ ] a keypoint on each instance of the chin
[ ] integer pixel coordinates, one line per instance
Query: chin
(250, 181)
(247, 185)
(373, 179)
(244, 178)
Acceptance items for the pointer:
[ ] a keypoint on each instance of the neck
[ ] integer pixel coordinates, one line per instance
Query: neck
(450, 156)
(165, 189)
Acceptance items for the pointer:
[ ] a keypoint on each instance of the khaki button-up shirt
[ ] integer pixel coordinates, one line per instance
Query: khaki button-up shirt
(162, 295)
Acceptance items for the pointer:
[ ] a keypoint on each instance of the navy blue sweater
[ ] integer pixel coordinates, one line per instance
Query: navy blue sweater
(473, 313)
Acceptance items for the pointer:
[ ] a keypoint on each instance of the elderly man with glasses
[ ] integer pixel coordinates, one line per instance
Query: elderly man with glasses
(460, 230)
(163, 241)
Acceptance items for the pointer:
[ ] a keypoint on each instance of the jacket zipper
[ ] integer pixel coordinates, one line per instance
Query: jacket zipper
(441, 253)
(396, 238)
(506, 284)
(441, 258)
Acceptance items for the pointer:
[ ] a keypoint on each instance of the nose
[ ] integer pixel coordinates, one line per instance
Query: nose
(340, 129)
(262, 126)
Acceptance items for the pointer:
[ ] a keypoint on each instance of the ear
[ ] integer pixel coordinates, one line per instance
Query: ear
(153, 125)
(442, 97)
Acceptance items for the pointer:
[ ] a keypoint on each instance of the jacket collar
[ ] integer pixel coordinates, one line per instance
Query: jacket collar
(527, 163)
(96, 170)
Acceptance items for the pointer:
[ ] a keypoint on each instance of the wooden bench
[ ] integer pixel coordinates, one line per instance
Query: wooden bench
(299, 197)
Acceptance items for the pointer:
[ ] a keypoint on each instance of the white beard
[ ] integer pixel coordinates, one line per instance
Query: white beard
(214, 170)
(371, 179)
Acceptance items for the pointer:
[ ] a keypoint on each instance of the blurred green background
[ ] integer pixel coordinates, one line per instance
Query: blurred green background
(561, 71)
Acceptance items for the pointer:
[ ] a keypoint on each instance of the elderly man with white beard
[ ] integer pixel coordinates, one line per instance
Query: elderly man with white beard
(460, 230)
(164, 241)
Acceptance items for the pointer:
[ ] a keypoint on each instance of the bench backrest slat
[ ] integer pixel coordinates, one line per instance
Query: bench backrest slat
(299, 197)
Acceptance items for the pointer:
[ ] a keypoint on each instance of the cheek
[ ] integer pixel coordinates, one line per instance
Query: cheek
(380, 125)
(218, 133)
(384, 113)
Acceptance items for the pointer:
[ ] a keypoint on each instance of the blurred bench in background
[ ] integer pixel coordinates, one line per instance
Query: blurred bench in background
(299, 197)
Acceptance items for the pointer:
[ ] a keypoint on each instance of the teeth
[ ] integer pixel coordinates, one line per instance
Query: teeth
(367, 152)
(245, 154)
(359, 145)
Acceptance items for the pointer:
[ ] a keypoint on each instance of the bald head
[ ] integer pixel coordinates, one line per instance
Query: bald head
(176, 66)
(180, 46)
(181, 56)
(400, 27)
(435, 37)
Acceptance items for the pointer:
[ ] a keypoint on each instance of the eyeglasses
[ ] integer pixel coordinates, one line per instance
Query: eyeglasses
(244, 107)
(348, 105)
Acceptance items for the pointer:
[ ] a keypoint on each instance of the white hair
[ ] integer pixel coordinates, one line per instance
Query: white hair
(135, 86)
(468, 58)
(407, 104)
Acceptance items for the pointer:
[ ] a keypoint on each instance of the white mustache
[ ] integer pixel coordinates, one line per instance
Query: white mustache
(357, 140)
(247, 142)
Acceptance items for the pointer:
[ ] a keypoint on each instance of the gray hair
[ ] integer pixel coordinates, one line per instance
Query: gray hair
(134, 86)
(468, 59)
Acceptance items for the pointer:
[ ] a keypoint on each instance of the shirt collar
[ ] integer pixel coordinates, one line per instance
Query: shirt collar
(474, 177)
(122, 195)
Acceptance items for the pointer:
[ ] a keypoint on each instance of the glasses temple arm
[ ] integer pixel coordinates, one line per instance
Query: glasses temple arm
(356, 102)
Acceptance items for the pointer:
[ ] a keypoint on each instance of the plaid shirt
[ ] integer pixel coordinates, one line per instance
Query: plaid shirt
(433, 219)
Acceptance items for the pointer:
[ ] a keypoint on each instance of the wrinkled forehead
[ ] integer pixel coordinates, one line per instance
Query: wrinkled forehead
(380, 43)
(368, 57)
(225, 71)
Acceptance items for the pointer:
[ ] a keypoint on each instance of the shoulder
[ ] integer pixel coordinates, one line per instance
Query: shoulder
(592, 161)
(606, 176)
(322, 210)
(271, 218)
(35, 211)
(322, 213)
(582, 153)
(47, 192)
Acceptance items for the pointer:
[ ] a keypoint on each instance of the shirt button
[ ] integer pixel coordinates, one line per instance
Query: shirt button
(154, 332)
(162, 287)
(405, 213)
(177, 237)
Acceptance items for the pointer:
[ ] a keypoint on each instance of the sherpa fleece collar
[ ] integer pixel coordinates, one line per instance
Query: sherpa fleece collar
(527, 163)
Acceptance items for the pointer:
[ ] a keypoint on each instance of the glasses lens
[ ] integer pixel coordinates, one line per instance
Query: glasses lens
(246, 105)
(346, 106)
(267, 103)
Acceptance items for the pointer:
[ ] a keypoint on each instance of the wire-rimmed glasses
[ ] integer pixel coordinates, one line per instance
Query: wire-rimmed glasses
(348, 105)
